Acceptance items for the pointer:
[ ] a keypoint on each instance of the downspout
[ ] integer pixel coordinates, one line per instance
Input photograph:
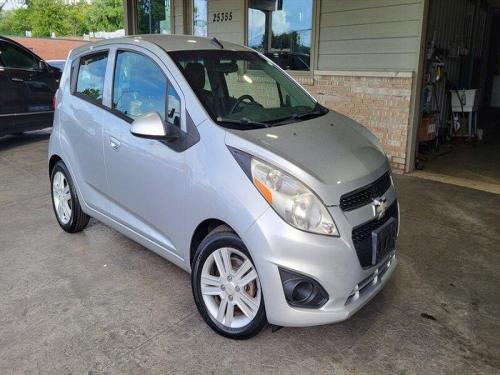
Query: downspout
(415, 109)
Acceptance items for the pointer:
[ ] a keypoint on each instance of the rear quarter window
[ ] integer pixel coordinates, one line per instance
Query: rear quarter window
(90, 78)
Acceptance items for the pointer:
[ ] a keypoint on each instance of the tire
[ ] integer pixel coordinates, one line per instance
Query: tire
(244, 307)
(69, 215)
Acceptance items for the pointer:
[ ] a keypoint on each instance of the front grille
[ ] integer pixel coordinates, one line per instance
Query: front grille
(362, 235)
(366, 194)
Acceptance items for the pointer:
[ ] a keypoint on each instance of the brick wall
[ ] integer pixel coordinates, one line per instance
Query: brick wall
(50, 49)
(379, 101)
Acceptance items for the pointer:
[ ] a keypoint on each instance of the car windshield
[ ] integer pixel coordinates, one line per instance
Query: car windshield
(243, 90)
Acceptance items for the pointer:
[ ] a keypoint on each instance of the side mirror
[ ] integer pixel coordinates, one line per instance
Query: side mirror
(42, 65)
(152, 126)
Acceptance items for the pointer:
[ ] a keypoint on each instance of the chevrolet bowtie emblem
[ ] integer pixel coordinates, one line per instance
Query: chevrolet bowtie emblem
(379, 207)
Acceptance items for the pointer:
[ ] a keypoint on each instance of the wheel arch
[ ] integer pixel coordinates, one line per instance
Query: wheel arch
(201, 231)
(52, 162)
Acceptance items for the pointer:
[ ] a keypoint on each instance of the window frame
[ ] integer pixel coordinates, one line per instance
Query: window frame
(76, 72)
(316, 6)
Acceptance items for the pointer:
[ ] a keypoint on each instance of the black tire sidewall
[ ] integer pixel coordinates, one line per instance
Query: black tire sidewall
(70, 226)
(210, 244)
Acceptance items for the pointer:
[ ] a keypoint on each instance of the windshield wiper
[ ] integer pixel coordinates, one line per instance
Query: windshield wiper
(299, 116)
(318, 110)
(243, 121)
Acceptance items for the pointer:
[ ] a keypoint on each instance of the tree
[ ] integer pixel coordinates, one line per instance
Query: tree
(76, 18)
(15, 22)
(105, 15)
(49, 16)
(43, 17)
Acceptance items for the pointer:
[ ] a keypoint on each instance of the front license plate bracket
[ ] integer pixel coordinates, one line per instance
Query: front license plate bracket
(383, 240)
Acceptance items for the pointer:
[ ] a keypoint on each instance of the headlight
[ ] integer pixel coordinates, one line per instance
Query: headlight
(290, 198)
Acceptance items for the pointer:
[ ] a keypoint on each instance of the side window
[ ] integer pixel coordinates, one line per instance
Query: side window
(173, 107)
(90, 80)
(139, 85)
(12, 56)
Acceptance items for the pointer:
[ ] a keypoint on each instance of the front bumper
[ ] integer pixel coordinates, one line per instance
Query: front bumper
(331, 261)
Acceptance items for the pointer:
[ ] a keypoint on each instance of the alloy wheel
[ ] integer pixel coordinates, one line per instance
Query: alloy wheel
(230, 287)
(62, 197)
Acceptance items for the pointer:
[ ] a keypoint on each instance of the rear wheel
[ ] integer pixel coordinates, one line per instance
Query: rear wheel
(226, 286)
(65, 201)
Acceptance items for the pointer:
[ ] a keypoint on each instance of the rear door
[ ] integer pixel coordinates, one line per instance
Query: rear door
(11, 90)
(82, 133)
(31, 87)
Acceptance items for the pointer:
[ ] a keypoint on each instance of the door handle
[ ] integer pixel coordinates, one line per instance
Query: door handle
(15, 79)
(114, 143)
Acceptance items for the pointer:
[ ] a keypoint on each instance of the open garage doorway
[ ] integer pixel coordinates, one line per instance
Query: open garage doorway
(458, 137)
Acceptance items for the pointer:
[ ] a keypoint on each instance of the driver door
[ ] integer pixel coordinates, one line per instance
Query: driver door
(146, 178)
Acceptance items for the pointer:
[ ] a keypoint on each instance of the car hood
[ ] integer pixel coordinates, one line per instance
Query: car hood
(332, 154)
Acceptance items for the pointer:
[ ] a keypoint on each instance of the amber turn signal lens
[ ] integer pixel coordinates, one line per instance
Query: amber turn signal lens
(264, 190)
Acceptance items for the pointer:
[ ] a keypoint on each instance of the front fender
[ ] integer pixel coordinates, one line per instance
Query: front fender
(219, 188)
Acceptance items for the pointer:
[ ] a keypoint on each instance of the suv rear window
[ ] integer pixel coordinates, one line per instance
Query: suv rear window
(91, 72)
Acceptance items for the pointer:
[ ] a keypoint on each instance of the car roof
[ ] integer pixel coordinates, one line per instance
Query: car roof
(169, 43)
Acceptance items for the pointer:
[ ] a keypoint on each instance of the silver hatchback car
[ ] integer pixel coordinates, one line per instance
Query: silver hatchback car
(210, 155)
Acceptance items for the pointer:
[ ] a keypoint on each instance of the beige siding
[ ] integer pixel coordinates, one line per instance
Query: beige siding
(178, 17)
(232, 31)
(369, 34)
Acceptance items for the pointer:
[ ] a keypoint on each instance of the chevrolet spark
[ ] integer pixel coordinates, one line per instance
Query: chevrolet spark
(210, 155)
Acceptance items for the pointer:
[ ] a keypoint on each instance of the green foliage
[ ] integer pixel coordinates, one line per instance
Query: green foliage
(76, 18)
(48, 16)
(14, 22)
(45, 16)
(105, 15)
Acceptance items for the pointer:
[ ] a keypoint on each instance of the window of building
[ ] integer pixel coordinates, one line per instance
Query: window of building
(154, 17)
(12, 56)
(282, 30)
(90, 81)
(200, 18)
(139, 86)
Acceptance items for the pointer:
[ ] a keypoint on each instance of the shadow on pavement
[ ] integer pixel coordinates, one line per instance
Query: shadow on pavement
(11, 141)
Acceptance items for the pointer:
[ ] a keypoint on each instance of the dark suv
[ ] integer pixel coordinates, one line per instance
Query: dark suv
(27, 87)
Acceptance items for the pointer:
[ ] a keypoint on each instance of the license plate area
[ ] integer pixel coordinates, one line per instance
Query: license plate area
(383, 240)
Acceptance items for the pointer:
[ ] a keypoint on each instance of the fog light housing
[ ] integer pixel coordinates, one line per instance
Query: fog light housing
(302, 291)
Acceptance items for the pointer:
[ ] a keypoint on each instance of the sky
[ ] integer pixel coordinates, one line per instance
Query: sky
(12, 4)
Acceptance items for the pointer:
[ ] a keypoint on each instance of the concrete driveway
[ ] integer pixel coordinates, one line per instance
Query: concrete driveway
(97, 302)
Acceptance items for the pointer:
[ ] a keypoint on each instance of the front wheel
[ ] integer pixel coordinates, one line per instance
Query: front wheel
(226, 286)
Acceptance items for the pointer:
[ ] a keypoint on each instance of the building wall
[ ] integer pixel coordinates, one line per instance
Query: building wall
(232, 31)
(178, 16)
(365, 57)
(50, 49)
(369, 34)
(379, 102)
